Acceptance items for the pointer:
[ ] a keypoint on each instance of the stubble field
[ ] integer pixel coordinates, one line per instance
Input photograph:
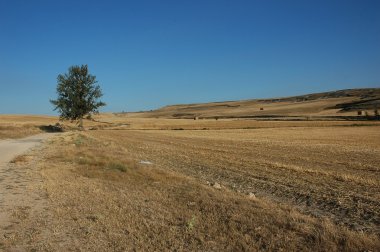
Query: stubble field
(311, 186)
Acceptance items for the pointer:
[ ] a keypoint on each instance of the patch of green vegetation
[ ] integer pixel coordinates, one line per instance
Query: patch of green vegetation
(84, 161)
(190, 225)
(91, 160)
(79, 140)
(82, 140)
(117, 166)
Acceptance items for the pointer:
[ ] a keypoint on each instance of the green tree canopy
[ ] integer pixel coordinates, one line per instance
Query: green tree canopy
(78, 94)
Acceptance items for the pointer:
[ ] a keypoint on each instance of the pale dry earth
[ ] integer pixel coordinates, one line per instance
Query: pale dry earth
(12, 148)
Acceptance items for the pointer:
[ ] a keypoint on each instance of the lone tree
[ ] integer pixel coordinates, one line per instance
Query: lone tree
(78, 94)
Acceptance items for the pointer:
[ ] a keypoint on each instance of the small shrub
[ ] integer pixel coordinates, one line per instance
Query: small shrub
(79, 140)
(84, 161)
(117, 166)
(191, 223)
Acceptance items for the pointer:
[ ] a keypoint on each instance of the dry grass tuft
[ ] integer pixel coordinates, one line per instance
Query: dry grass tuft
(21, 159)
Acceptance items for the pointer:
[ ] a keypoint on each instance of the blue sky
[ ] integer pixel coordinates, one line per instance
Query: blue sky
(148, 54)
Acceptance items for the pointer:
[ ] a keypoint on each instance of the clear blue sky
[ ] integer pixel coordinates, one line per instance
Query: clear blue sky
(148, 54)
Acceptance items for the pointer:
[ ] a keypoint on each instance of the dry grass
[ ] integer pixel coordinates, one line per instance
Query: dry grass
(313, 105)
(324, 171)
(21, 159)
(102, 198)
(127, 122)
(317, 187)
(18, 131)
(19, 126)
(249, 108)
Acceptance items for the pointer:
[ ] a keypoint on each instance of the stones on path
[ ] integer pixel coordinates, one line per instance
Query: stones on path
(216, 185)
(251, 195)
(146, 162)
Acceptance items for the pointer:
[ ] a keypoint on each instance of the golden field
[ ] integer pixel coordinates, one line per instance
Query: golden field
(17, 126)
(130, 183)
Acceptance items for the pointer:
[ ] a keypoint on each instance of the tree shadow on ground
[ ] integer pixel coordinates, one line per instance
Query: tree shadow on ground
(51, 128)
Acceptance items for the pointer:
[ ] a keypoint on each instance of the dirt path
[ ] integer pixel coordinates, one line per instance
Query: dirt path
(10, 149)
(20, 184)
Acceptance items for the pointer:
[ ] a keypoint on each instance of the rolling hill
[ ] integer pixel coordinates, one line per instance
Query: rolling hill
(341, 103)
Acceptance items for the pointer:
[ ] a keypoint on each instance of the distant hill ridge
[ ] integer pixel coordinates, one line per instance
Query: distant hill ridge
(335, 103)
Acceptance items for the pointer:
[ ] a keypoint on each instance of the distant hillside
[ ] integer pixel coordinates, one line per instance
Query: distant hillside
(336, 103)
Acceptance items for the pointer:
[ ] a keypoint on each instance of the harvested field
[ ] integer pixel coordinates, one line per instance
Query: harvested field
(322, 171)
(18, 126)
(102, 197)
(123, 122)
(135, 185)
